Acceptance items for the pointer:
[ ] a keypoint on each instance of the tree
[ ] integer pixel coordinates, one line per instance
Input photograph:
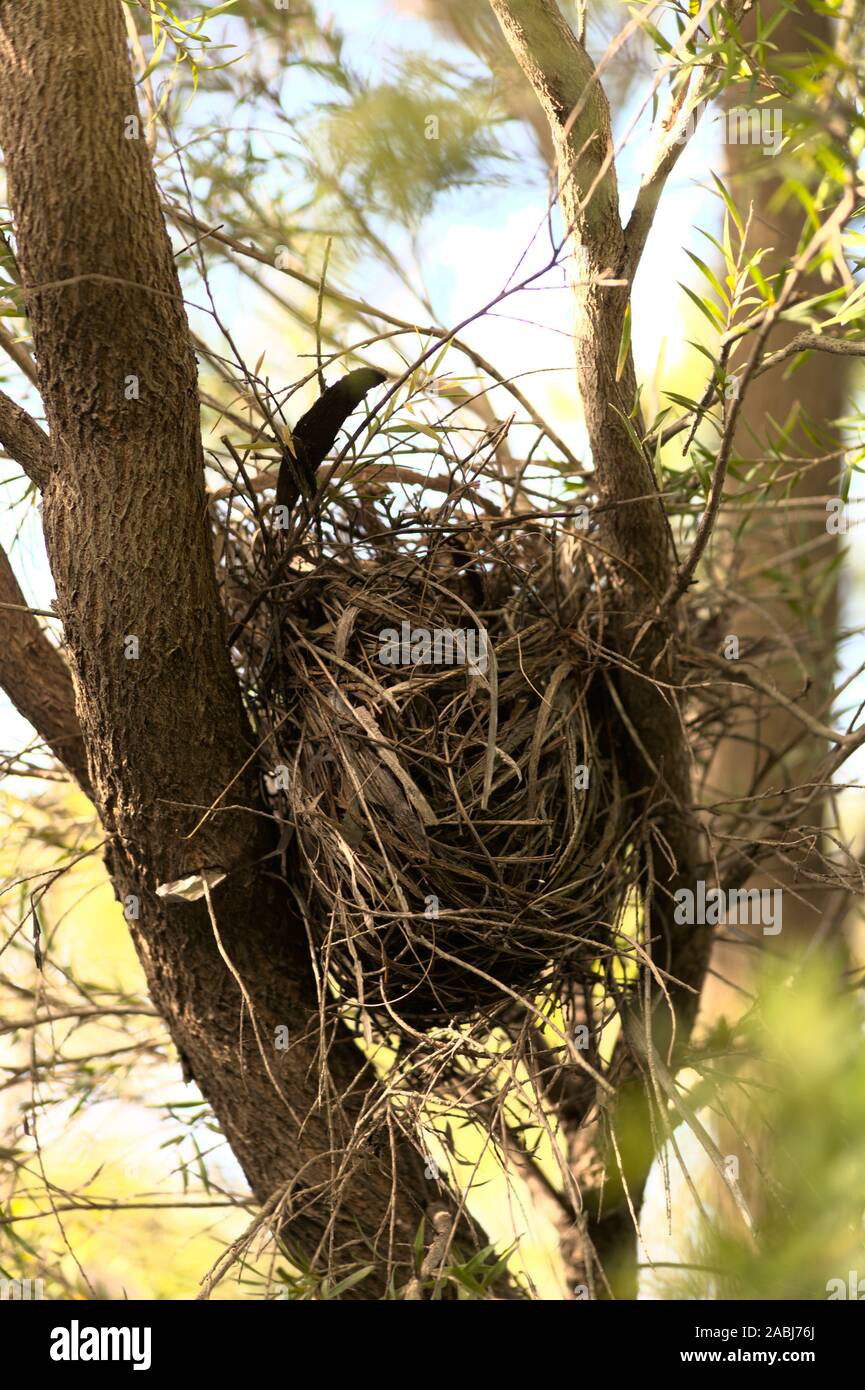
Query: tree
(273, 889)
(167, 737)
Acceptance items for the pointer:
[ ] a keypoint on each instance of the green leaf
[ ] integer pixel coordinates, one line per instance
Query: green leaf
(419, 1242)
(632, 433)
(655, 34)
(731, 206)
(154, 61)
(351, 1280)
(218, 9)
(711, 311)
(686, 402)
(624, 342)
(760, 281)
(710, 276)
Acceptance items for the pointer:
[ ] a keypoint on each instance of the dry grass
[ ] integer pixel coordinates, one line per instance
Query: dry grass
(460, 830)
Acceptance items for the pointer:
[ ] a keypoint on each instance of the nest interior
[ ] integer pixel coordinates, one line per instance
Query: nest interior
(459, 821)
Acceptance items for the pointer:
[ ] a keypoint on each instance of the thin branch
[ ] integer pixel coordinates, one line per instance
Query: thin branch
(36, 679)
(683, 579)
(803, 342)
(678, 122)
(25, 441)
(19, 355)
(369, 311)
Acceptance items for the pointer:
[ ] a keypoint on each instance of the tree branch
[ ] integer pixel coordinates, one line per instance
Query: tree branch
(635, 532)
(369, 312)
(566, 85)
(19, 355)
(678, 124)
(35, 677)
(174, 767)
(22, 438)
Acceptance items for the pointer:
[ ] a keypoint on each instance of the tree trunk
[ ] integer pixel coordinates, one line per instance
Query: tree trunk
(170, 753)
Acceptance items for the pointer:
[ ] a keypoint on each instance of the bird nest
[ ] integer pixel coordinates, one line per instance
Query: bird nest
(439, 748)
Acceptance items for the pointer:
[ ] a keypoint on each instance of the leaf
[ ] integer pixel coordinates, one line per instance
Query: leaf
(350, 1280)
(711, 311)
(218, 9)
(154, 61)
(731, 206)
(760, 281)
(659, 468)
(655, 34)
(710, 276)
(853, 308)
(632, 433)
(624, 342)
(686, 402)
(419, 1242)
(704, 351)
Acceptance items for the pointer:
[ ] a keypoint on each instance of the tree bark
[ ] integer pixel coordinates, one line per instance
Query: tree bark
(170, 753)
(36, 679)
